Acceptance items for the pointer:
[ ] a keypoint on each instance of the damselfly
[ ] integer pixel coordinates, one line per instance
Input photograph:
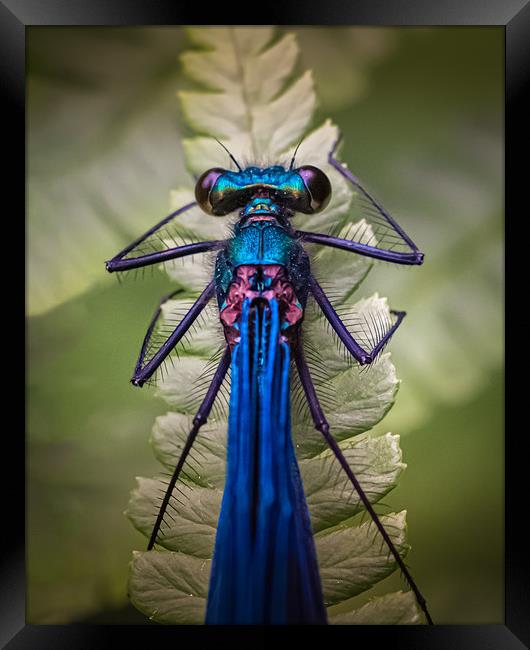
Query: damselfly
(264, 567)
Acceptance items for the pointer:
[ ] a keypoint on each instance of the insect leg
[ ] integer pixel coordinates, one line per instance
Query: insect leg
(199, 419)
(362, 356)
(416, 257)
(377, 214)
(143, 372)
(152, 237)
(119, 264)
(321, 424)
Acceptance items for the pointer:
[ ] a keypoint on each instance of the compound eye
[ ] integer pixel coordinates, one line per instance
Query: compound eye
(318, 186)
(204, 187)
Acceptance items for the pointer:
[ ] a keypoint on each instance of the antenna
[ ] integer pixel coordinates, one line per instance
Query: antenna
(228, 152)
(294, 154)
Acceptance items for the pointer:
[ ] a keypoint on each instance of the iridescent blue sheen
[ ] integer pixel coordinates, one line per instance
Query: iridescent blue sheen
(265, 568)
(260, 242)
(288, 181)
(285, 189)
(262, 205)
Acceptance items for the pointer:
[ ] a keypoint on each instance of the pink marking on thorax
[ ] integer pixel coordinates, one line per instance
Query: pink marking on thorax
(243, 286)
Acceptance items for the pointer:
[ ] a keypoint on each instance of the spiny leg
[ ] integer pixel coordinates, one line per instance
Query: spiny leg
(199, 419)
(344, 171)
(118, 263)
(362, 356)
(379, 216)
(143, 373)
(321, 424)
(151, 327)
(414, 258)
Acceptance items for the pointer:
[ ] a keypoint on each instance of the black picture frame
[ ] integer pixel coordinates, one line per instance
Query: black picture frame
(514, 16)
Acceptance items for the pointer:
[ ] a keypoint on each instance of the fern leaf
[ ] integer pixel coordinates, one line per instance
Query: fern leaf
(259, 109)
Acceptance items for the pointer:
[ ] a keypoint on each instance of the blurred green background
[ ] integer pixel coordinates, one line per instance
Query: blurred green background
(422, 115)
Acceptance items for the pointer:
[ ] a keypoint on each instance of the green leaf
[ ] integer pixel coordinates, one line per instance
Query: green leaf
(353, 558)
(259, 111)
(193, 273)
(192, 521)
(169, 435)
(265, 116)
(169, 587)
(361, 396)
(254, 119)
(399, 608)
(375, 461)
(341, 271)
(102, 152)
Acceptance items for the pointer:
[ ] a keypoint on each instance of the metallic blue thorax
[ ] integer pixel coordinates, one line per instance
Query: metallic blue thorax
(261, 242)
